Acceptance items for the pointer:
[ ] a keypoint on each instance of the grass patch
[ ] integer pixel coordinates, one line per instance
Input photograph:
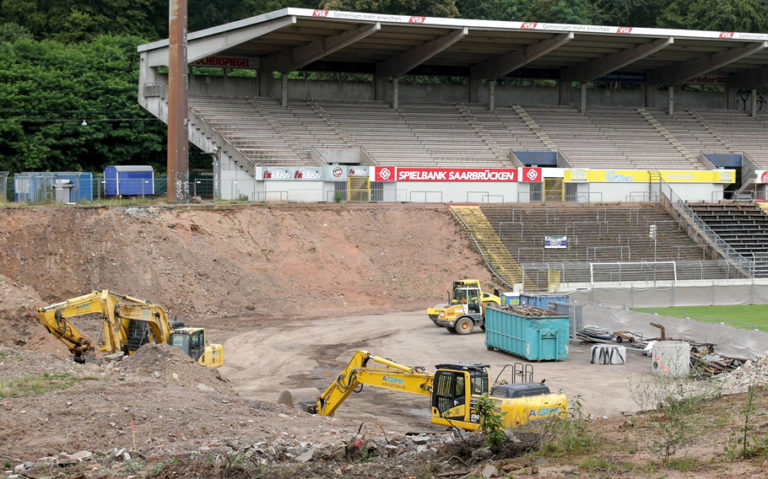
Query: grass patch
(747, 316)
(36, 385)
(598, 464)
(684, 464)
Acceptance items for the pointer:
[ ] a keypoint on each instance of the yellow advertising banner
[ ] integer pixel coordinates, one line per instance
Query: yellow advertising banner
(644, 176)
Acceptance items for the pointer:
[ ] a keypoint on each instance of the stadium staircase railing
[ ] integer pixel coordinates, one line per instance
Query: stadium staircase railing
(697, 226)
(500, 262)
(477, 126)
(535, 127)
(668, 135)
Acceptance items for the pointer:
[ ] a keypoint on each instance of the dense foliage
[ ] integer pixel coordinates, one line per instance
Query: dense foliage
(65, 61)
(73, 106)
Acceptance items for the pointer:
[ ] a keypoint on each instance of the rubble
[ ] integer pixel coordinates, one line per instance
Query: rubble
(752, 373)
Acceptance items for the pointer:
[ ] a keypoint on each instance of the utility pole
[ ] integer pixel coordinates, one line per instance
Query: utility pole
(178, 136)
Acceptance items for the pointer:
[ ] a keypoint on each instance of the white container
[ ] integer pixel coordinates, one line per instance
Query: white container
(671, 358)
(608, 354)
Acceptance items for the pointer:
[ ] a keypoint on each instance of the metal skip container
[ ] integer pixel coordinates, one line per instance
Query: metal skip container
(529, 332)
(671, 358)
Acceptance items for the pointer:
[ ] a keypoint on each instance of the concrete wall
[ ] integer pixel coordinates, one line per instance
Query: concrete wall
(421, 93)
(236, 183)
(698, 191)
(299, 191)
(224, 86)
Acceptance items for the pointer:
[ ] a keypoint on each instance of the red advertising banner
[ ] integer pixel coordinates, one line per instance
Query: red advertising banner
(454, 174)
(227, 62)
(384, 173)
(531, 175)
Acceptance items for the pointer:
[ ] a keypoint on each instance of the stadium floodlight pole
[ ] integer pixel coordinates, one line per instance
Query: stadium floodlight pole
(178, 137)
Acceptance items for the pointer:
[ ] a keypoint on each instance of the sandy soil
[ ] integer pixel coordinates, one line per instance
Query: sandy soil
(311, 354)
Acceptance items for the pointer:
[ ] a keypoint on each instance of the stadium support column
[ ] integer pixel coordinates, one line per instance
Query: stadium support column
(649, 89)
(753, 97)
(670, 100)
(395, 94)
(491, 95)
(562, 92)
(583, 99)
(379, 87)
(474, 87)
(284, 90)
(178, 136)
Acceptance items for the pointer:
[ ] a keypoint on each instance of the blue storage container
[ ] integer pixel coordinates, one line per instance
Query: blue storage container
(510, 298)
(529, 332)
(129, 180)
(542, 300)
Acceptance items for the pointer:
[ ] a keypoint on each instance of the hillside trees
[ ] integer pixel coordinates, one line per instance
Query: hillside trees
(723, 15)
(48, 89)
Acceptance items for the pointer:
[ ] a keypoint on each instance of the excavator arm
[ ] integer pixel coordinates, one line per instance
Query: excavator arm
(55, 318)
(152, 314)
(389, 375)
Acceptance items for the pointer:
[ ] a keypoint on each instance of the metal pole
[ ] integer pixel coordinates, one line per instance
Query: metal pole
(178, 137)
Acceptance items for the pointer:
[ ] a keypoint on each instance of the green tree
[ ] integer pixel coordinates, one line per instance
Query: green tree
(48, 89)
(78, 20)
(250, 8)
(10, 32)
(507, 10)
(440, 8)
(563, 11)
(639, 13)
(730, 15)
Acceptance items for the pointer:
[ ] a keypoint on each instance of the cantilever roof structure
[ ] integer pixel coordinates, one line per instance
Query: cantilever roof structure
(294, 39)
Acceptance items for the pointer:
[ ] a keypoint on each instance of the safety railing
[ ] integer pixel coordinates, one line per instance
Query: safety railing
(480, 249)
(624, 272)
(668, 195)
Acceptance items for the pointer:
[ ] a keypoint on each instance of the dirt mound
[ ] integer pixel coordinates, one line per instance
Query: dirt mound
(255, 261)
(17, 363)
(173, 365)
(19, 325)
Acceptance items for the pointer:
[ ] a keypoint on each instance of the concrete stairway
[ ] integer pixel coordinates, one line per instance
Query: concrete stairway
(496, 255)
(535, 127)
(476, 125)
(669, 137)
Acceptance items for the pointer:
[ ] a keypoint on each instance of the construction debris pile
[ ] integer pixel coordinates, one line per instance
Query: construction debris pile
(704, 362)
(752, 373)
(710, 364)
(172, 364)
(470, 456)
(527, 310)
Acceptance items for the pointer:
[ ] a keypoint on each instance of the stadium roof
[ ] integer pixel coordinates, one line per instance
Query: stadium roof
(392, 45)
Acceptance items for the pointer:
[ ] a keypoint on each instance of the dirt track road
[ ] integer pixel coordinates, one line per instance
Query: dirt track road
(261, 363)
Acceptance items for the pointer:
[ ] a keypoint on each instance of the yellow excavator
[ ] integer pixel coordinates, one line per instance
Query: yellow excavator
(454, 390)
(127, 324)
(467, 300)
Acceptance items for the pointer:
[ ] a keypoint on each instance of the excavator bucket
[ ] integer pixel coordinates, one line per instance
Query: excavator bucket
(303, 399)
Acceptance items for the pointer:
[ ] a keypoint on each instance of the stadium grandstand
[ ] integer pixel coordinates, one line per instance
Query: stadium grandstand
(317, 105)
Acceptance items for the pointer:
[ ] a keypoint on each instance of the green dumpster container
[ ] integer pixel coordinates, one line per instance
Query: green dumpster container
(529, 332)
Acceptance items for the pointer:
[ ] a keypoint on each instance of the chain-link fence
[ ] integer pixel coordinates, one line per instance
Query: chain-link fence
(745, 291)
(81, 187)
(3, 186)
(649, 272)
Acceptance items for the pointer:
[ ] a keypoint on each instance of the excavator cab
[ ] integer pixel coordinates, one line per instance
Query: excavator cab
(192, 341)
(455, 386)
